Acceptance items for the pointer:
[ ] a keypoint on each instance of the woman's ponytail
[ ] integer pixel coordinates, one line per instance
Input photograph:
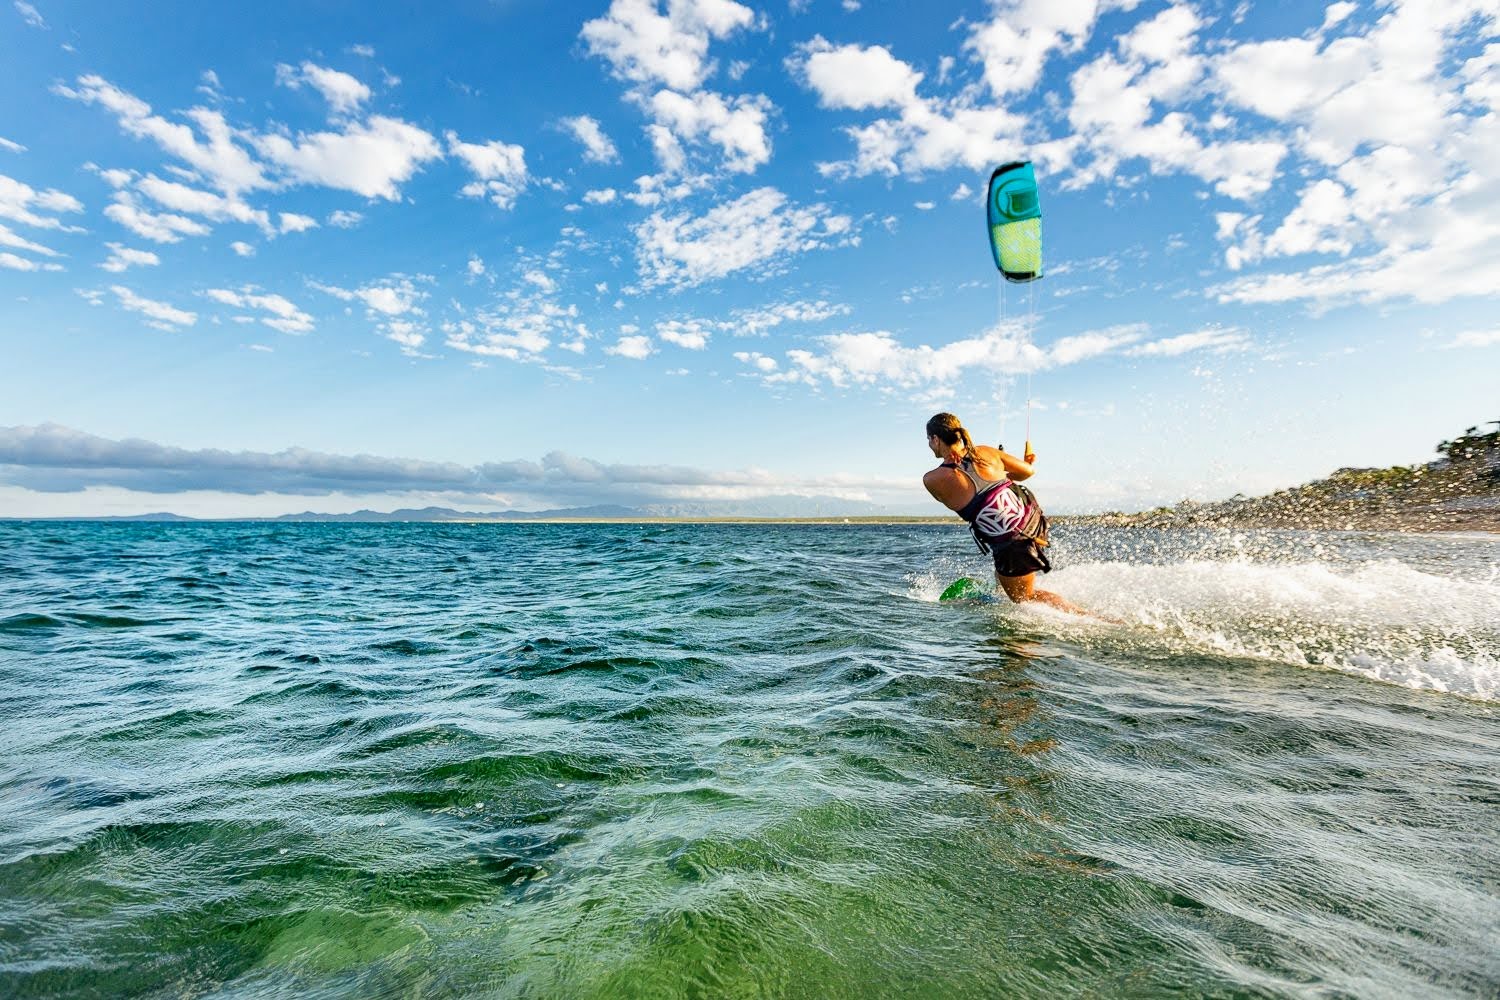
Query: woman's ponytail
(968, 443)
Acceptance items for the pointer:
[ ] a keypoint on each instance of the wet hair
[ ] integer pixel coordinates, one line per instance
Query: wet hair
(947, 429)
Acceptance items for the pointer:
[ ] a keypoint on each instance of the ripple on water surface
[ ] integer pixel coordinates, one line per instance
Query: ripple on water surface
(459, 760)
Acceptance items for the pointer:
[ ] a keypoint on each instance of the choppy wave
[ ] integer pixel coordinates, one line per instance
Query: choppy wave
(1380, 618)
(360, 760)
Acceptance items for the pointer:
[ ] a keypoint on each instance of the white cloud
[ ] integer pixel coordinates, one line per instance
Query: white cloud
(393, 304)
(1337, 12)
(523, 326)
(281, 314)
(344, 219)
(363, 51)
(664, 56)
(1015, 44)
(291, 222)
(925, 134)
(207, 204)
(161, 227)
(1115, 104)
(30, 15)
(409, 335)
(758, 361)
(737, 126)
(216, 156)
(961, 193)
(1476, 338)
(604, 196)
(115, 178)
(393, 296)
(597, 147)
(758, 231)
(476, 266)
(158, 314)
(210, 85)
(758, 322)
(684, 333)
(500, 169)
(924, 206)
(14, 263)
(637, 348)
(857, 78)
(122, 257)
(540, 280)
(643, 45)
(1215, 339)
(343, 92)
(879, 359)
(1400, 153)
(242, 248)
(371, 158)
(10, 238)
(11, 146)
(20, 203)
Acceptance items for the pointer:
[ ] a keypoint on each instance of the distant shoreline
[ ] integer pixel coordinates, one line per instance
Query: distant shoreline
(1481, 523)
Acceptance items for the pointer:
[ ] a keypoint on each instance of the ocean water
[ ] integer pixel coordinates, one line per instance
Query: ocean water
(283, 760)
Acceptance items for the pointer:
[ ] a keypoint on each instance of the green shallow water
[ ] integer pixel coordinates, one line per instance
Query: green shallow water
(247, 760)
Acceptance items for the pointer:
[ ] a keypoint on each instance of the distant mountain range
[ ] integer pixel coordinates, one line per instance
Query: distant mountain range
(780, 506)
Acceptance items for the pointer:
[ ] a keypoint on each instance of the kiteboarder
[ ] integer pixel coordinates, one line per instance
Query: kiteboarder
(982, 485)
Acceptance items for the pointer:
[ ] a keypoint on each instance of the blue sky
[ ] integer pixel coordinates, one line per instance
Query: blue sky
(525, 254)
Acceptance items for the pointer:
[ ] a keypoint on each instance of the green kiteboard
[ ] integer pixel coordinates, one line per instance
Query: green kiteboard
(965, 588)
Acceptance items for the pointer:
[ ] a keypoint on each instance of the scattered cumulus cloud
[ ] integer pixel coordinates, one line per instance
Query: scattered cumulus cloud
(159, 227)
(737, 125)
(158, 314)
(11, 146)
(663, 56)
(291, 222)
(344, 93)
(637, 347)
(597, 147)
(757, 232)
(689, 334)
(372, 158)
(30, 15)
(646, 45)
(1214, 339)
(499, 169)
(210, 150)
(204, 204)
(760, 321)
(24, 204)
(522, 323)
(13, 262)
(277, 312)
(1476, 338)
(393, 296)
(123, 257)
(14, 240)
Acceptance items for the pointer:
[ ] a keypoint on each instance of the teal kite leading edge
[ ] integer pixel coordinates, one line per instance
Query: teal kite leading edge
(1015, 218)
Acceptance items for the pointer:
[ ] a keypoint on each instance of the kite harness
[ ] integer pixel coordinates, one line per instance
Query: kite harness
(1002, 512)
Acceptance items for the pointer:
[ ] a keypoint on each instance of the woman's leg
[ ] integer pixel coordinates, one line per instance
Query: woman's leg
(1023, 588)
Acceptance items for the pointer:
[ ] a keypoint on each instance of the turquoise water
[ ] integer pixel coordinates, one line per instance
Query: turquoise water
(247, 760)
